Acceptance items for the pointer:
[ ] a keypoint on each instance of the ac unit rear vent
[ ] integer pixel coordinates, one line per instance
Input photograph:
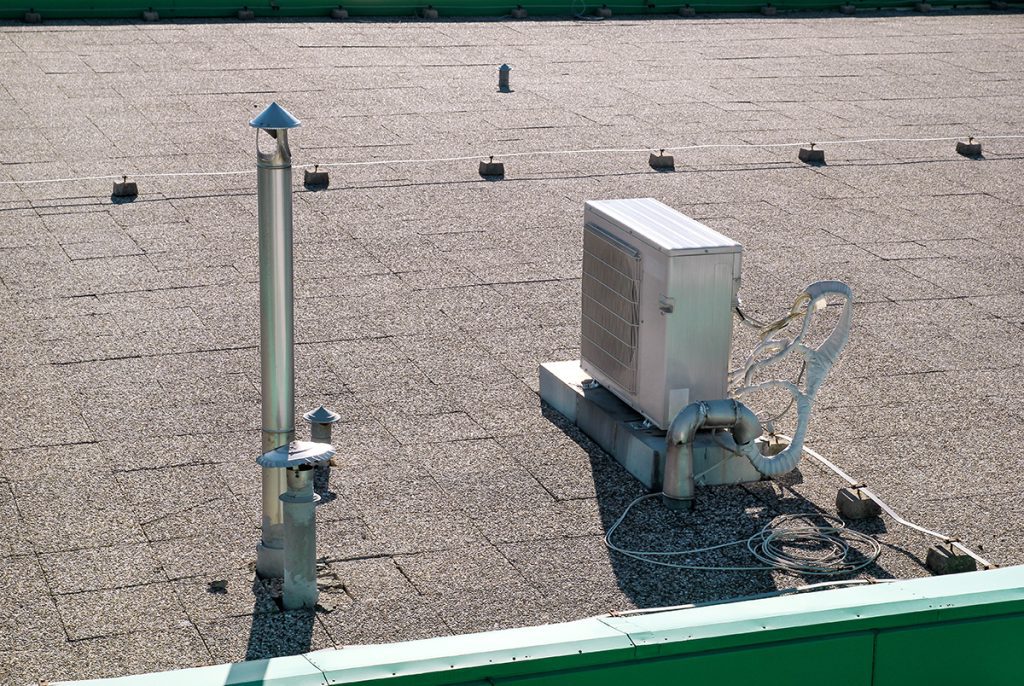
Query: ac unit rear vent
(611, 305)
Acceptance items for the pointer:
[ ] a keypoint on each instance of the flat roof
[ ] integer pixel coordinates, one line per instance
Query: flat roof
(427, 297)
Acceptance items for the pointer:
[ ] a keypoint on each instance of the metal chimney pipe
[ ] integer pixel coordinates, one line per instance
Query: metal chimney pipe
(737, 418)
(277, 363)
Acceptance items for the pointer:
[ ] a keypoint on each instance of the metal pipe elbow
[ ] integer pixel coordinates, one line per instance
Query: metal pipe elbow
(677, 484)
(787, 460)
(689, 420)
(747, 427)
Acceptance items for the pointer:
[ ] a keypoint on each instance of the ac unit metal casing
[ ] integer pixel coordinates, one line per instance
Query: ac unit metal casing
(658, 293)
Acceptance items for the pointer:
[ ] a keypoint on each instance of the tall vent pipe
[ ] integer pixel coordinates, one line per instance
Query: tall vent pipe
(277, 362)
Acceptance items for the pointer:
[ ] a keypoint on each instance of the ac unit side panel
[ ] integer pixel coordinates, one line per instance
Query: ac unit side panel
(651, 387)
(699, 330)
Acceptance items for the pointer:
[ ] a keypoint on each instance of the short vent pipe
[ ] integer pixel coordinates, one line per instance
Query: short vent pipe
(298, 503)
(320, 422)
(732, 415)
(296, 462)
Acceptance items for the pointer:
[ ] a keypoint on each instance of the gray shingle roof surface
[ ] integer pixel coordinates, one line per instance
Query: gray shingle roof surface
(426, 298)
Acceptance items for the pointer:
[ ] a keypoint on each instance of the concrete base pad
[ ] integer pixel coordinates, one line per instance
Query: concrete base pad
(943, 560)
(622, 432)
(853, 504)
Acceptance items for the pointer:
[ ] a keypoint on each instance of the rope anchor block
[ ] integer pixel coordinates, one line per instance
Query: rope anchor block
(339, 13)
(125, 189)
(687, 11)
(971, 148)
(315, 178)
(246, 14)
(492, 169)
(942, 560)
(853, 503)
(659, 161)
(812, 155)
(519, 12)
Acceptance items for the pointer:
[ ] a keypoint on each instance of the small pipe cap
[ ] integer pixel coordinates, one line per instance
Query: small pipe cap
(275, 117)
(321, 415)
(297, 453)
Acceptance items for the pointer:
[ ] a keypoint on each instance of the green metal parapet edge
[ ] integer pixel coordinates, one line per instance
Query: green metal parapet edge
(947, 629)
(282, 9)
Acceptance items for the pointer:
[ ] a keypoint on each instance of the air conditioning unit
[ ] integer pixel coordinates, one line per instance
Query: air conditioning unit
(658, 295)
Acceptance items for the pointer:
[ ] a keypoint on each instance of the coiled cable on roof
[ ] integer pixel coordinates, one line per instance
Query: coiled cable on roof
(790, 543)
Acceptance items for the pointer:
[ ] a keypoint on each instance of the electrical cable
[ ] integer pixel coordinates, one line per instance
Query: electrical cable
(888, 510)
(511, 155)
(771, 546)
(770, 421)
(768, 544)
(764, 331)
(746, 319)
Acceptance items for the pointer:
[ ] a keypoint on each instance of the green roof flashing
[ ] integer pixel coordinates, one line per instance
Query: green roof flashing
(857, 622)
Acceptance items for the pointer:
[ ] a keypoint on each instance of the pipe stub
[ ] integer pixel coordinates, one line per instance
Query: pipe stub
(677, 504)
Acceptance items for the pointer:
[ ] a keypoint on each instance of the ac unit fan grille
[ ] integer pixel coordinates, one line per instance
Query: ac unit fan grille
(611, 306)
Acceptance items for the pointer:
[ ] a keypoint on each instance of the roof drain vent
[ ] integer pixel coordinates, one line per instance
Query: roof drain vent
(504, 71)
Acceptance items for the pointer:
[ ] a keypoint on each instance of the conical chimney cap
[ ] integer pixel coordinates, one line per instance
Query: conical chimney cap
(321, 415)
(275, 117)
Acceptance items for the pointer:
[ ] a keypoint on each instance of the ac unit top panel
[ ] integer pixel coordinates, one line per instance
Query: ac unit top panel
(660, 226)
